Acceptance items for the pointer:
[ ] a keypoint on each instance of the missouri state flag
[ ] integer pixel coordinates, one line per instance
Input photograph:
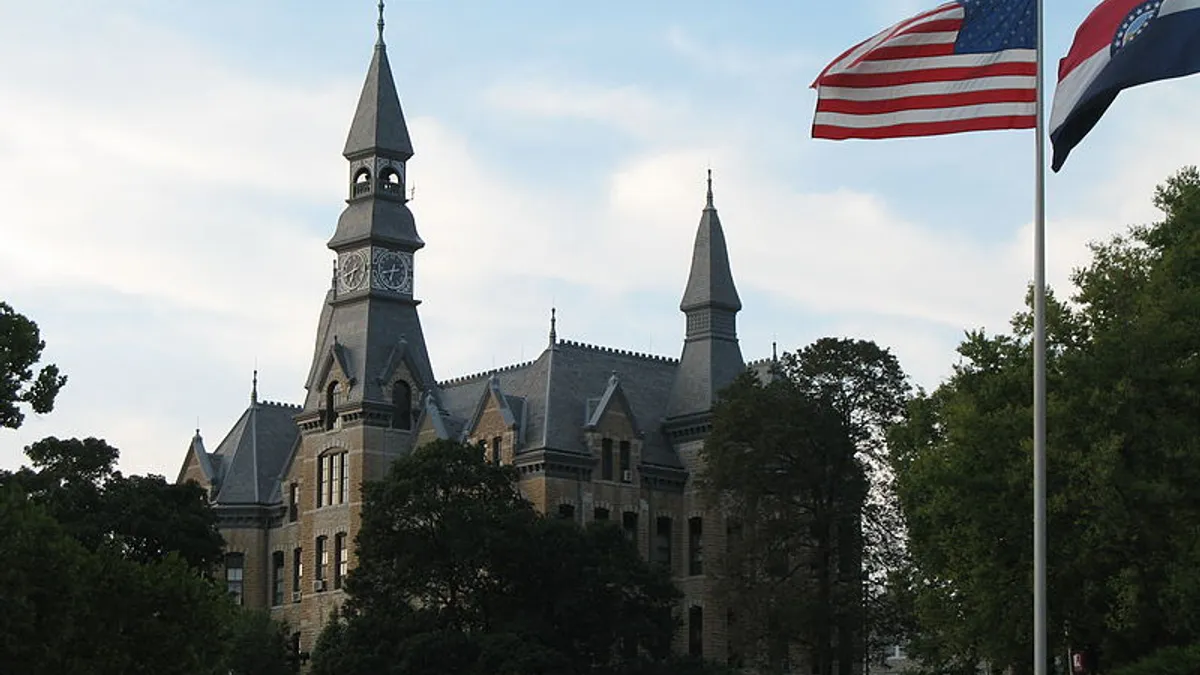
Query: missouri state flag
(966, 65)
(1121, 44)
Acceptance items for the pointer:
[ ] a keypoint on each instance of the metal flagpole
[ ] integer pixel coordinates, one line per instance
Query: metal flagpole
(1039, 366)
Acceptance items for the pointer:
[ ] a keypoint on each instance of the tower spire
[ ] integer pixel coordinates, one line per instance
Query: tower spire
(254, 388)
(379, 126)
(379, 24)
(553, 331)
(711, 356)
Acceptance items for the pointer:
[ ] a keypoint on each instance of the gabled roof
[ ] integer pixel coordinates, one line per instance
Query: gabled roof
(443, 426)
(203, 460)
(614, 395)
(252, 456)
(556, 387)
(401, 354)
(493, 392)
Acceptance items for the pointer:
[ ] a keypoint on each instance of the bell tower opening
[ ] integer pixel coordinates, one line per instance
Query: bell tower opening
(361, 183)
(391, 182)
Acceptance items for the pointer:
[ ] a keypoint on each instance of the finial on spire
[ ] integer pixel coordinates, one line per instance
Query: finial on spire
(254, 388)
(774, 351)
(553, 325)
(709, 203)
(379, 42)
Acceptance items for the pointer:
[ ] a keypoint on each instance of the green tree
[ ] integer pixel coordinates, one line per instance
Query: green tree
(456, 572)
(71, 609)
(780, 463)
(109, 574)
(20, 350)
(256, 645)
(143, 518)
(866, 386)
(1123, 444)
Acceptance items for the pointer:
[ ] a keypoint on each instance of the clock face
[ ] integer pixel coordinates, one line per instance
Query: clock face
(352, 271)
(393, 271)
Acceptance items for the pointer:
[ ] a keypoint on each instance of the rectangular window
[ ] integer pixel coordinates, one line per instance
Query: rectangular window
(339, 470)
(297, 572)
(345, 478)
(695, 546)
(566, 511)
(630, 525)
(277, 580)
(322, 557)
(235, 564)
(330, 476)
(662, 542)
(696, 631)
(626, 463)
(293, 502)
(733, 534)
(496, 450)
(321, 480)
(600, 513)
(606, 459)
(339, 559)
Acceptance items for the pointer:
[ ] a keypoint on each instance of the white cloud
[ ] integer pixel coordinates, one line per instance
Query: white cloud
(727, 59)
(168, 236)
(627, 108)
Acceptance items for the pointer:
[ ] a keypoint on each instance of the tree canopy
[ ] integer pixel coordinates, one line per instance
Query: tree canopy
(456, 572)
(1123, 425)
(20, 350)
(794, 464)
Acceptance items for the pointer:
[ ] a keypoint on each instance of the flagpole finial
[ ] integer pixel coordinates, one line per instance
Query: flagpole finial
(379, 24)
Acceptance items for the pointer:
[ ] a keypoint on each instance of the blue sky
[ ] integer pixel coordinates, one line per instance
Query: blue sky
(170, 172)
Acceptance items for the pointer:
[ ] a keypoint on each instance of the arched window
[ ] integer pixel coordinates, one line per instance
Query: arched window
(362, 182)
(389, 181)
(331, 393)
(401, 405)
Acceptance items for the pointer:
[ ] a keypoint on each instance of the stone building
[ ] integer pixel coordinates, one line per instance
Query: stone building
(596, 433)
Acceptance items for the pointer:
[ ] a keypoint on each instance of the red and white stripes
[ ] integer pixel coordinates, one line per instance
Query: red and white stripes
(909, 81)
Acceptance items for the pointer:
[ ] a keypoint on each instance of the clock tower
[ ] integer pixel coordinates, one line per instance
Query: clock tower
(370, 367)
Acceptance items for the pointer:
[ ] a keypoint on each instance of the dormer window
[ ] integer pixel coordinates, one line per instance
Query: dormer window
(362, 183)
(390, 182)
(401, 405)
(331, 395)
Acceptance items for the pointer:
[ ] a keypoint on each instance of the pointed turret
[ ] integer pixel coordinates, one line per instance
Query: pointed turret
(711, 356)
(370, 358)
(379, 125)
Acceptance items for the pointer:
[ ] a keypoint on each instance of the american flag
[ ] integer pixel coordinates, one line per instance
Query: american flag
(968, 65)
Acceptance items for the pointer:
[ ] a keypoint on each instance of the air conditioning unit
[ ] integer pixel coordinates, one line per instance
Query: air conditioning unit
(318, 585)
(295, 596)
(626, 475)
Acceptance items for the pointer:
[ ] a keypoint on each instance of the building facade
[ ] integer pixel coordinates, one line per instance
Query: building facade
(595, 433)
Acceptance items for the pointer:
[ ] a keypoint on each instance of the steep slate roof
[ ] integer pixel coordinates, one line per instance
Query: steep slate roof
(568, 374)
(252, 456)
(711, 356)
(710, 282)
(379, 122)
